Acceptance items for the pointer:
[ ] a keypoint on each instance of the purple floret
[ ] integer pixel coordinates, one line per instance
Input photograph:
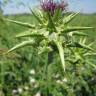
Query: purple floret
(52, 6)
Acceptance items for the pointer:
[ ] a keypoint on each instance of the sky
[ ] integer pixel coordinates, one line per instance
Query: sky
(84, 6)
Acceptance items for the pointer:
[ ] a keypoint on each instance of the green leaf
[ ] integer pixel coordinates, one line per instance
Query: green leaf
(30, 34)
(21, 23)
(40, 13)
(70, 29)
(57, 15)
(77, 33)
(82, 40)
(61, 53)
(90, 54)
(36, 16)
(79, 45)
(44, 49)
(69, 18)
(51, 23)
(23, 44)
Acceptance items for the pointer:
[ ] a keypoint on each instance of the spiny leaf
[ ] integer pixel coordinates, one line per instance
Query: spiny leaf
(22, 24)
(70, 29)
(44, 49)
(79, 45)
(36, 16)
(57, 15)
(77, 33)
(40, 13)
(24, 43)
(30, 34)
(51, 23)
(69, 18)
(84, 41)
(90, 54)
(61, 53)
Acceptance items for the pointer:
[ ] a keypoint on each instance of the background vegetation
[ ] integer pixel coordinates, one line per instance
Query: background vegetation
(16, 68)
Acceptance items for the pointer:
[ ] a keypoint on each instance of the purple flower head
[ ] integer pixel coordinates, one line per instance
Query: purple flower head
(51, 6)
(62, 5)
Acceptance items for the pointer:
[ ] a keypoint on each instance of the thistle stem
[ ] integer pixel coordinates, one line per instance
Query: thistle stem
(47, 89)
(46, 75)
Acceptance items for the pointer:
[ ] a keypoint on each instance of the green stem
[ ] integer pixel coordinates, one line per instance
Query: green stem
(46, 75)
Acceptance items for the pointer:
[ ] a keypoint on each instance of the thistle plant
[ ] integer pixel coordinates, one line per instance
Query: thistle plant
(53, 34)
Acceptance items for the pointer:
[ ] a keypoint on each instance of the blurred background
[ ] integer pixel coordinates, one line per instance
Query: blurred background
(21, 6)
